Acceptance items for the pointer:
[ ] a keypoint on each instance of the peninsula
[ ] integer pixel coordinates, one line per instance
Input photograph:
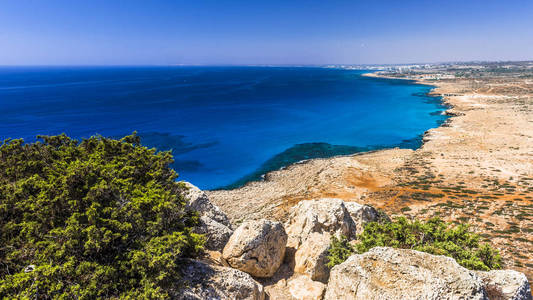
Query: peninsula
(476, 168)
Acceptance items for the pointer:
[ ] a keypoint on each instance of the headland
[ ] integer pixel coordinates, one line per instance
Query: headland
(476, 168)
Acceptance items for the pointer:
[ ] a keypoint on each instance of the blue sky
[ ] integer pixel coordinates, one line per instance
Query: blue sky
(132, 32)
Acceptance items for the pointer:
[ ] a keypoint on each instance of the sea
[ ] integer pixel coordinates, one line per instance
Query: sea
(225, 126)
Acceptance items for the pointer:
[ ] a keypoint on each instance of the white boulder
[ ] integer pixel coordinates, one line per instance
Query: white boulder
(256, 247)
(362, 214)
(311, 257)
(303, 288)
(506, 285)
(388, 273)
(321, 216)
(205, 281)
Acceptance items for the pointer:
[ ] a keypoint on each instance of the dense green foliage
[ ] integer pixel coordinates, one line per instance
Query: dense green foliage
(100, 218)
(435, 237)
(339, 251)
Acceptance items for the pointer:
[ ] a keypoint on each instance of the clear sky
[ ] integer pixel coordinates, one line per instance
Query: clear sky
(151, 32)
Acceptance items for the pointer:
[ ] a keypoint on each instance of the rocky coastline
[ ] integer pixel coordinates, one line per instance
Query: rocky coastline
(476, 169)
(264, 259)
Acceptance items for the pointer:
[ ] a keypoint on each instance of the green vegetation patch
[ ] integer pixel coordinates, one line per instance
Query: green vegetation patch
(100, 218)
(434, 236)
(339, 251)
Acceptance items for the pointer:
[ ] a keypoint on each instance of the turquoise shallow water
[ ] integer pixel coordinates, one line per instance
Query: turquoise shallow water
(225, 125)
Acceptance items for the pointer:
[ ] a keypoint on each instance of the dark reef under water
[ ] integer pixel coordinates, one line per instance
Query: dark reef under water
(302, 152)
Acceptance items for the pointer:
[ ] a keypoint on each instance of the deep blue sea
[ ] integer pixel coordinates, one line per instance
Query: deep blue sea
(225, 125)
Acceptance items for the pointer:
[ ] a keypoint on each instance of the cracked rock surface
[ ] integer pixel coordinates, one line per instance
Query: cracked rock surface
(506, 285)
(388, 273)
(326, 215)
(256, 247)
(206, 281)
(311, 258)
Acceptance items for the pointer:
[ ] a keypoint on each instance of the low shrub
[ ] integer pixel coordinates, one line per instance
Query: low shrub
(434, 236)
(100, 218)
(339, 251)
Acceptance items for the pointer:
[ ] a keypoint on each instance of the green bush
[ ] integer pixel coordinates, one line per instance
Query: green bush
(435, 237)
(100, 218)
(339, 251)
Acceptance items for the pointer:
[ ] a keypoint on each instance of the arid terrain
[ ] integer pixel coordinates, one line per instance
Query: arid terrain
(476, 168)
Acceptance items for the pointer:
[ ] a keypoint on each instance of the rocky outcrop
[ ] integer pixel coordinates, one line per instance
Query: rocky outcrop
(387, 273)
(214, 223)
(256, 247)
(320, 216)
(311, 257)
(216, 234)
(205, 281)
(199, 201)
(362, 214)
(506, 285)
(303, 288)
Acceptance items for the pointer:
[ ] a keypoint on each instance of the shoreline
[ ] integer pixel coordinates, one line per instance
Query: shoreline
(476, 168)
(267, 178)
(264, 176)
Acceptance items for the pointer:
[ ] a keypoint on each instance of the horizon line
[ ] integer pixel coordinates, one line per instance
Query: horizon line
(266, 65)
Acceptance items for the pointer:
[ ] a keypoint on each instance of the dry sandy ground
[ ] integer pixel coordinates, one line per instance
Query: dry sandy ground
(476, 168)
